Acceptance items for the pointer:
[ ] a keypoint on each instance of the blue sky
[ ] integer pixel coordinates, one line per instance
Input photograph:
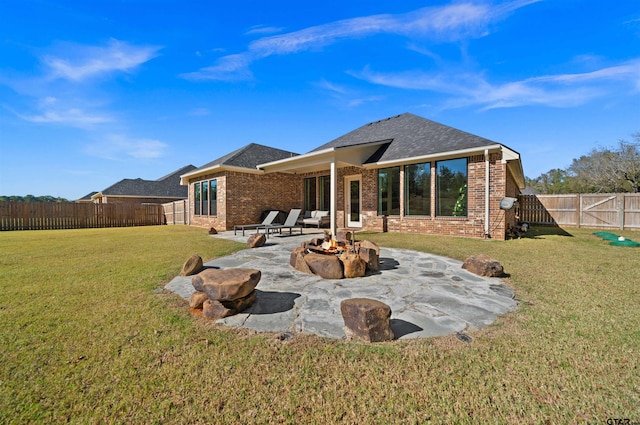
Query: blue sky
(92, 92)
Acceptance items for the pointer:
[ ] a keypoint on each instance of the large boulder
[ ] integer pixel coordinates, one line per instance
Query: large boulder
(226, 285)
(256, 240)
(344, 235)
(483, 265)
(370, 245)
(354, 266)
(297, 260)
(192, 266)
(216, 309)
(325, 266)
(370, 257)
(366, 319)
(197, 299)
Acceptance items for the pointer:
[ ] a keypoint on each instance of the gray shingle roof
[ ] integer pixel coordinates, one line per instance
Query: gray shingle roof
(408, 136)
(165, 187)
(249, 156)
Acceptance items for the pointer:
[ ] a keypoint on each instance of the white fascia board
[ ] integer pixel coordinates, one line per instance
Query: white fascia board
(509, 154)
(346, 154)
(435, 156)
(297, 161)
(185, 178)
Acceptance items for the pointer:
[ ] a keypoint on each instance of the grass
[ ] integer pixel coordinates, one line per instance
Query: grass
(87, 337)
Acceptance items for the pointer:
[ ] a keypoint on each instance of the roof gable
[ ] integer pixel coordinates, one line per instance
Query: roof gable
(249, 156)
(409, 136)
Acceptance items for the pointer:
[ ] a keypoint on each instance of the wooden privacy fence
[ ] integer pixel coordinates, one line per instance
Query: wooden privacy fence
(176, 212)
(597, 210)
(52, 215)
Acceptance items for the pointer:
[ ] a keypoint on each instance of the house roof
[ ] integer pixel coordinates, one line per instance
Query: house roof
(247, 157)
(165, 187)
(397, 140)
(408, 136)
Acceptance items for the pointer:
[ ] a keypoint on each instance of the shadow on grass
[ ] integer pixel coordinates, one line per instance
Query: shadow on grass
(538, 231)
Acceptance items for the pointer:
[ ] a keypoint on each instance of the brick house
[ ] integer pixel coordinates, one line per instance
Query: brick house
(400, 174)
(140, 191)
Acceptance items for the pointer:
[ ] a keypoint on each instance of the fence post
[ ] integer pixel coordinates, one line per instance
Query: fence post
(579, 210)
(620, 201)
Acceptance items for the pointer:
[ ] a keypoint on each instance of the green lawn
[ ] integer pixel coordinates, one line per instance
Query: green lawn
(86, 336)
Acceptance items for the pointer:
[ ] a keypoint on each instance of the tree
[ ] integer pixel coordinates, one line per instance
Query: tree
(603, 170)
(553, 181)
(31, 198)
(609, 170)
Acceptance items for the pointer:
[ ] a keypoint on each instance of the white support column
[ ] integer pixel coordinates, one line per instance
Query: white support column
(334, 177)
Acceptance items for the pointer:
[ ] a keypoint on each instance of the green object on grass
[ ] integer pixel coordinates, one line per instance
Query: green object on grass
(607, 236)
(625, 242)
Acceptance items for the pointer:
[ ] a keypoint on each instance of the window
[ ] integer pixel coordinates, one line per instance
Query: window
(205, 198)
(324, 186)
(451, 188)
(389, 191)
(213, 197)
(309, 193)
(205, 195)
(417, 186)
(197, 196)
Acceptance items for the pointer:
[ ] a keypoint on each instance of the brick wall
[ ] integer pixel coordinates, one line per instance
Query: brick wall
(470, 226)
(242, 197)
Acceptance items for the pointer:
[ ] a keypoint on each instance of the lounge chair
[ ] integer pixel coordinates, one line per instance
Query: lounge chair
(318, 218)
(266, 222)
(290, 223)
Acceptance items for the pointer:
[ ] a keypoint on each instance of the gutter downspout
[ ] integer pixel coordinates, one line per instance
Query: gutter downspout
(486, 194)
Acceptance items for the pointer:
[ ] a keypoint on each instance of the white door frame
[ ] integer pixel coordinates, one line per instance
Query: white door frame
(347, 199)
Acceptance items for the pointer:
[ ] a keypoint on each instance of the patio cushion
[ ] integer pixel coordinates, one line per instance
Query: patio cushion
(318, 218)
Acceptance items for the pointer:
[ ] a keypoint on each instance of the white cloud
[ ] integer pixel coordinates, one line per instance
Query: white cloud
(51, 110)
(344, 96)
(79, 62)
(228, 68)
(261, 30)
(200, 112)
(448, 23)
(119, 147)
(468, 89)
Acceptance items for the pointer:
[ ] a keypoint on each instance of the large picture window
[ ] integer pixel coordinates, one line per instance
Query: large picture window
(309, 193)
(324, 186)
(417, 184)
(451, 188)
(213, 197)
(197, 198)
(205, 195)
(389, 191)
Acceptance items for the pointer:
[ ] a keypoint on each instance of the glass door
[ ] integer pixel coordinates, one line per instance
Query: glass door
(353, 186)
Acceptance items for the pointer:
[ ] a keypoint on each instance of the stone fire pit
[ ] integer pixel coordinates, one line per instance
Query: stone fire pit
(333, 259)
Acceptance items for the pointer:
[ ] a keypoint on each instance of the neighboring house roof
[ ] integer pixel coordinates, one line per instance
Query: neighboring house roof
(165, 187)
(86, 197)
(247, 157)
(529, 191)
